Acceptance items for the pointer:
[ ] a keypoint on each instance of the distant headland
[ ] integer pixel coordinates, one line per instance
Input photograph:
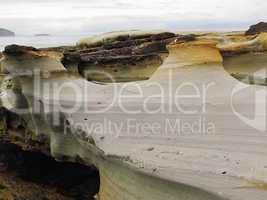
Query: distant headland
(257, 28)
(6, 33)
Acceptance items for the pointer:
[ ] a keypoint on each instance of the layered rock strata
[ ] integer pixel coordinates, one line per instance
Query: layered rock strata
(119, 53)
(258, 44)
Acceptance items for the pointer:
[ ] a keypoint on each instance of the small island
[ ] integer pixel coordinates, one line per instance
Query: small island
(42, 35)
(6, 33)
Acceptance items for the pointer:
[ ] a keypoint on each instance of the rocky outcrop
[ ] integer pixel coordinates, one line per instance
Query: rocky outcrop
(19, 50)
(21, 59)
(118, 53)
(257, 28)
(100, 40)
(141, 162)
(257, 44)
(6, 33)
(35, 176)
(193, 53)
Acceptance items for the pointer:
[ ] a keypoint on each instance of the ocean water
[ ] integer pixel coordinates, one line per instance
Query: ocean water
(39, 42)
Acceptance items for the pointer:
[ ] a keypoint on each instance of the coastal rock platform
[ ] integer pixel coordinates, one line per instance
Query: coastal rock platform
(171, 124)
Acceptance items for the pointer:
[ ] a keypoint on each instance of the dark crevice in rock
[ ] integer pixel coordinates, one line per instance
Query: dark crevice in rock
(73, 180)
(14, 129)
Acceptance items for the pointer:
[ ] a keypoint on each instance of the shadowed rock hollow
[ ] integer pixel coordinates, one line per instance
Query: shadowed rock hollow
(48, 177)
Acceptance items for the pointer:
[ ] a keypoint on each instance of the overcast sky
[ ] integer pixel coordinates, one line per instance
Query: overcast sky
(91, 16)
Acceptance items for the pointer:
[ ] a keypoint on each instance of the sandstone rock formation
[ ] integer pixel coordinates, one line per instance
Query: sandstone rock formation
(200, 51)
(28, 57)
(118, 53)
(257, 44)
(257, 28)
(140, 163)
(6, 33)
(99, 40)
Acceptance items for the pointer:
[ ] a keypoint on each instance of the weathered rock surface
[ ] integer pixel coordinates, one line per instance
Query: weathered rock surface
(257, 44)
(202, 51)
(116, 52)
(32, 175)
(257, 28)
(6, 33)
(142, 163)
(21, 59)
(18, 50)
(102, 39)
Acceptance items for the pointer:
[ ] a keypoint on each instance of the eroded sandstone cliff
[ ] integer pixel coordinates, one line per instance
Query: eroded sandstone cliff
(144, 166)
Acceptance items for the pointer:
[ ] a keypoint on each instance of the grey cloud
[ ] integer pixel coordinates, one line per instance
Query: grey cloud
(86, 17)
